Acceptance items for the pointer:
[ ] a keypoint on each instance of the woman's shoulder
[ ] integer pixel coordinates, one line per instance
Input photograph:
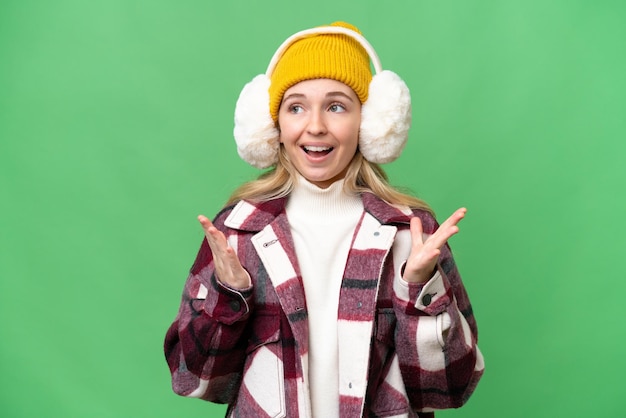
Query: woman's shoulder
(223, 214)
(429, 221)
(248, 214)
(398, 213)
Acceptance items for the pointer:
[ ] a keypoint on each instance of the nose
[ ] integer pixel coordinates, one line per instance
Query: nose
(317, 123)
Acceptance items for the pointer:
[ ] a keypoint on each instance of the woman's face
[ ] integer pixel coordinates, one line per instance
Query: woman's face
(319, 127)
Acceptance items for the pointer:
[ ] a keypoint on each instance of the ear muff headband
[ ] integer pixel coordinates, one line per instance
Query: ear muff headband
(324, 30)
(385, 116)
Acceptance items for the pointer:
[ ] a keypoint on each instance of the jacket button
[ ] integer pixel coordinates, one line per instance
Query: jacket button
(235, 305)
(427, 299)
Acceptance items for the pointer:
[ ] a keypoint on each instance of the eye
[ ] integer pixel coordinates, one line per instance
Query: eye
(295, 109)
(337, 108)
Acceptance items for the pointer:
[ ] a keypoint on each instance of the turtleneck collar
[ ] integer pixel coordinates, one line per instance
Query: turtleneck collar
(310, 201)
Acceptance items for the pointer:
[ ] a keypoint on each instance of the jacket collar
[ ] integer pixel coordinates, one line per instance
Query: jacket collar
(254, 216)
(384, 212)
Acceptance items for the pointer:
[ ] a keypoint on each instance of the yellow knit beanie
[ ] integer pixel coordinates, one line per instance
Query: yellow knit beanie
(335, 56)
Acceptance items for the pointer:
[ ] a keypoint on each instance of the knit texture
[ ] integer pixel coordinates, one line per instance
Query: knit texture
(334, 56)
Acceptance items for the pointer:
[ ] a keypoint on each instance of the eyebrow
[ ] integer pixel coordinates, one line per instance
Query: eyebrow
(338, 93)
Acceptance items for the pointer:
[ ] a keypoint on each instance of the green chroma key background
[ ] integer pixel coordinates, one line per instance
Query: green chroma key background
(116, 131)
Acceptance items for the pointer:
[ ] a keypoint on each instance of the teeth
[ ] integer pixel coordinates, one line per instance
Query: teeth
(317, 149)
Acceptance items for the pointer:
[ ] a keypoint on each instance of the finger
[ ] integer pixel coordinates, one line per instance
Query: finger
(447, 229)
(215, 238)
(442, 235)
(416, 231)
(224, 257)
(209, 229)
(455, 218)
(205, 222)
(233, 260)
(228, 267)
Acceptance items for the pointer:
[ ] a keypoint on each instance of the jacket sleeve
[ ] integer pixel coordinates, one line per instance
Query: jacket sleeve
(436, 336)
(205, 345)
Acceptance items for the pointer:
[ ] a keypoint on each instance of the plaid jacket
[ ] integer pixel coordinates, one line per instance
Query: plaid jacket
(404, 349)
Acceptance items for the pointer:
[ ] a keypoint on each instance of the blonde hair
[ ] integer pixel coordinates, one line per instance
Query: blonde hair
(362, 176)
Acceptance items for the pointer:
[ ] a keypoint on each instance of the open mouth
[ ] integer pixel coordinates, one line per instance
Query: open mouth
(317, 151)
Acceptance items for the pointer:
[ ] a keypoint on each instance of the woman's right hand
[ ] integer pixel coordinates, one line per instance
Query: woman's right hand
(228, 268)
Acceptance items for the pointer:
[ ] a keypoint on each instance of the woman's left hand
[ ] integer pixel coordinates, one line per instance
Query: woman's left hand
(424, 254)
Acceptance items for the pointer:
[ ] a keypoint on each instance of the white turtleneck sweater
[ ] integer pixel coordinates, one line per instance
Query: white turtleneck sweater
(322, 224)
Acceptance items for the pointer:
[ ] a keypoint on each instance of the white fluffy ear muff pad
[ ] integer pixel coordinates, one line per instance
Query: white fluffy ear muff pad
(255, 133)
(385, 118)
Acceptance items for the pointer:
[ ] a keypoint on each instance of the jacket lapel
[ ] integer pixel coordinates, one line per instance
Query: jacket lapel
(357, 308)
(274, 246)
(275, 249)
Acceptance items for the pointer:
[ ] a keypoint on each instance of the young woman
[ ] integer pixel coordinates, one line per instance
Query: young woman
(320, 290)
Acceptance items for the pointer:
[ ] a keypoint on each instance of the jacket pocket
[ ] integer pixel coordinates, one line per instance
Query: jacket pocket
(387, 397)
(386, 326)
(263, 384)
(265, 330)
